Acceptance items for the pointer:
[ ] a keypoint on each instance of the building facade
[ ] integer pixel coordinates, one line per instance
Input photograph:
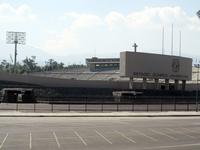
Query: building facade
(102, 64)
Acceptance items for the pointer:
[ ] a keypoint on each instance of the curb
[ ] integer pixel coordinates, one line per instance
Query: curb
(112, 114)
(76, 116)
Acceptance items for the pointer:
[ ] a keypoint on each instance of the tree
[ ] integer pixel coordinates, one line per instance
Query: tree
(53, 65)
(6, 66)
(29, 65)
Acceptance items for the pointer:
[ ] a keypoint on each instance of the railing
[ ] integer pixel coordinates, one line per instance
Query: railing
(103, 104)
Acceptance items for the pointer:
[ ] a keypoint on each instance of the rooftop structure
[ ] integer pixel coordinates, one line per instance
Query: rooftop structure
(102, 64)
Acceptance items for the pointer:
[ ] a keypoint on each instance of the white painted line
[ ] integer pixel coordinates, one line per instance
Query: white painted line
(147, 136)
(172, 146)
(3, 141)
(129, 139)
(161, 133)
(82, 140)
(103, 137)
(56, 138)
(30, 142)
(189, 130)
(171, 130)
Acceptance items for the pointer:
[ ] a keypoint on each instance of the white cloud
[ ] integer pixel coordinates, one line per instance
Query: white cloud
(86, 21)
(115, 30)
(71, 14)
(69, 39)
(114, 19)
(58, 43)
(23, 13)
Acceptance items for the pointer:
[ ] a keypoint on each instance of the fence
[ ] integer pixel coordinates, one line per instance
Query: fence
(102, 104)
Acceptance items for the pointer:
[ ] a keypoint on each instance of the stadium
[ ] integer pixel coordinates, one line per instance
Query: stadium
(134, 74)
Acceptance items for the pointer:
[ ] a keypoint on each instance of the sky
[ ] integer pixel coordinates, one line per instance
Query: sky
(72, 30)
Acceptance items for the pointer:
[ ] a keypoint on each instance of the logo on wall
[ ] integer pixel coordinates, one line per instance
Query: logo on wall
(175, 65)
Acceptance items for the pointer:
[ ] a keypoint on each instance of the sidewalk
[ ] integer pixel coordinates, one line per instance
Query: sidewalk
(100, 114)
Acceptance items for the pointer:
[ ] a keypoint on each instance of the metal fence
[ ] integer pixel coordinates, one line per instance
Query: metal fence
(103, 104)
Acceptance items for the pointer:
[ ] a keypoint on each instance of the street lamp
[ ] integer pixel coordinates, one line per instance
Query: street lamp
(197, 86)
(15, 38)
(197, 65)
(198, 13)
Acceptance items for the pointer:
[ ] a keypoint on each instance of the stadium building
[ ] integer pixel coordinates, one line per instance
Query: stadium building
(102, 64)
(133, 71)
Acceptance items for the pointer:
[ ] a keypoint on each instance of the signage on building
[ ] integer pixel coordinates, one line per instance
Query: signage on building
(146, 65)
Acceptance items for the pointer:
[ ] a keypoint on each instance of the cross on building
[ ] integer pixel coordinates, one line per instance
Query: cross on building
(135, 47)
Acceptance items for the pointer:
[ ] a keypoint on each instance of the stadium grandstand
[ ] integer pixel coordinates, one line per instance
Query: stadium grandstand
(102, 73)
(88, 81)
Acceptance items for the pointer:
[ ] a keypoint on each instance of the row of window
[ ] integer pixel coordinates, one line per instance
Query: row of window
(103, 60)
(106, 65)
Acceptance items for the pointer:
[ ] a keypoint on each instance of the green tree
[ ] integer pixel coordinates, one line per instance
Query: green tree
(53, 65)
(6, 66)
(29, 65)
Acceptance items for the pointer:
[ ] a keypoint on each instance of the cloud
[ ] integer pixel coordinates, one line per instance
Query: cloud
(86, 21)
(65, 42)
(152, 17)
(58, 43)
(9, 14)
(114, 19)
(115, 30)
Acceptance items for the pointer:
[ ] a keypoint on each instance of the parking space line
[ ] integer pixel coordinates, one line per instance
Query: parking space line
(147, 136)
(30, 142)
(189, 130)
(82, 140)
(171, 130)
(103, 137)
(56, 138)
(161, 133)
(129, 139)
(3, 141)
(172, 146)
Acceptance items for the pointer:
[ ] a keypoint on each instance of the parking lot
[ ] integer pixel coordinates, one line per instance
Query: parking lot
(99, 133)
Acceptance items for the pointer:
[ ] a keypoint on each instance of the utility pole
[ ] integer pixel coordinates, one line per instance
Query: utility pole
(197, 90)
(197, 87)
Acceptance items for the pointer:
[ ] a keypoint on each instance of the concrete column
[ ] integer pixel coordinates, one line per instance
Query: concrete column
(167, 84)
(131, 83)
(183, 84)
(176, 83)
(156, 84)
(144, 86)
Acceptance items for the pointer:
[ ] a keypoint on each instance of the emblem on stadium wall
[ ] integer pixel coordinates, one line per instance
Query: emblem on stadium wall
(175, 65)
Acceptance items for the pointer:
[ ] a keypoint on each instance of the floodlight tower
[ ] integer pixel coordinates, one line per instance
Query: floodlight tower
(15, 38)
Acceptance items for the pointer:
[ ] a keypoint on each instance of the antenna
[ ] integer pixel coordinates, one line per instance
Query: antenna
(179, 43)
(163, 32)
(15, 38)
(95, 52)
(172, 40)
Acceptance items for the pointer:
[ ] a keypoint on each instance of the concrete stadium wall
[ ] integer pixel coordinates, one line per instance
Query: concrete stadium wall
(145, 65)
(55, 82)
(33, 81)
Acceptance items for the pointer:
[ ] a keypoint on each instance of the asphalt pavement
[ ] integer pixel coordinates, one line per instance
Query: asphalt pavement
(100, 133)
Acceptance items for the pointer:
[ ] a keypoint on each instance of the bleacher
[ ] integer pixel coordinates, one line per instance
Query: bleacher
(85, 74)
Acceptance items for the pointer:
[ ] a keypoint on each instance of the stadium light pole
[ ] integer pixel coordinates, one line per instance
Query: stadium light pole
(198, 14)
(15, 38)
(197, 65)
